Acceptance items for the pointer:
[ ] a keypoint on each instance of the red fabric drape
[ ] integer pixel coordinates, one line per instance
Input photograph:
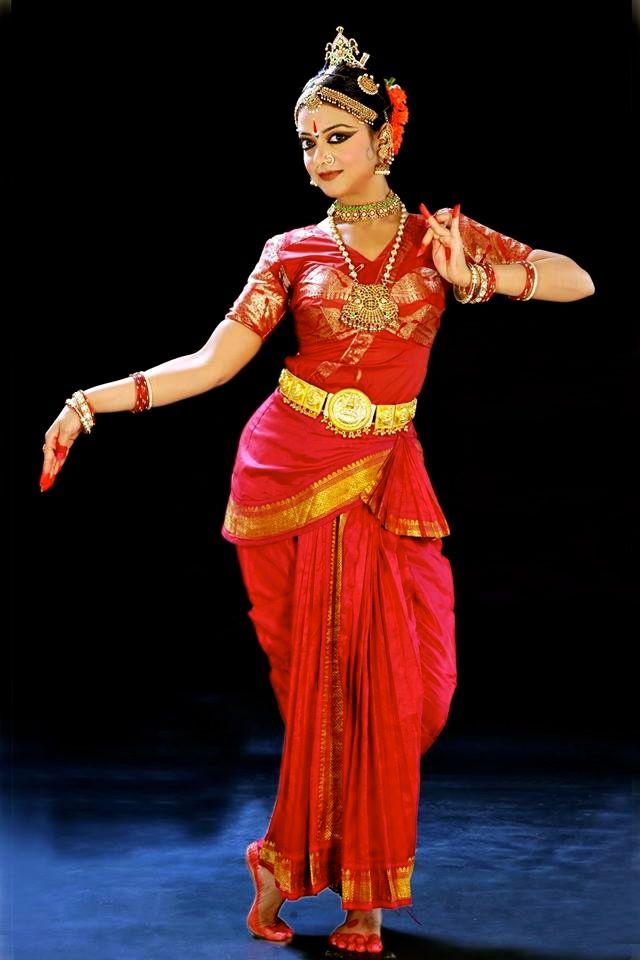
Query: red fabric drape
(339, 543)
(358, 626)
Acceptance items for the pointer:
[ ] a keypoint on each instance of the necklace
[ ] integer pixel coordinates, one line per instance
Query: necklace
(369, 305)
(355, 212)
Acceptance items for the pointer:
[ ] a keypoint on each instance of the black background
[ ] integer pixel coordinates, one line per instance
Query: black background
(155, 153)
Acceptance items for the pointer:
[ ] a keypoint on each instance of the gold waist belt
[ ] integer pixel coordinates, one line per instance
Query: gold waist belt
(348, 412)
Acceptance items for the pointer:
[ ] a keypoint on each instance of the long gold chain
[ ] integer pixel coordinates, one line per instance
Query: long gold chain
(370, 305)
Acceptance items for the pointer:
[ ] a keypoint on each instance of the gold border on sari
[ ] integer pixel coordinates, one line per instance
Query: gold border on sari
(390, 885)
(317, 500)
(331, 724)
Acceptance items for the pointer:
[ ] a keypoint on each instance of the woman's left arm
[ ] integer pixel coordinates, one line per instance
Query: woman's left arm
(559, 277)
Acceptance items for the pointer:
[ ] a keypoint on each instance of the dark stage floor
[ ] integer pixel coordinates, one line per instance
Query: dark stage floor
(524, 852)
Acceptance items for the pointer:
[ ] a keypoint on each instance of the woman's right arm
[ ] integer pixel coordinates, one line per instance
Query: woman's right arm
(229, 348)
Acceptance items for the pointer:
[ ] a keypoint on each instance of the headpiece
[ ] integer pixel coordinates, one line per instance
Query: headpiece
(345, 51)
(338, 52)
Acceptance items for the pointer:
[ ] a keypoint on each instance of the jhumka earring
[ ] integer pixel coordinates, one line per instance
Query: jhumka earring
(385, 152)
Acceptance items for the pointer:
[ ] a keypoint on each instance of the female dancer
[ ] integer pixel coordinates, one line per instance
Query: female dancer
(337, 528)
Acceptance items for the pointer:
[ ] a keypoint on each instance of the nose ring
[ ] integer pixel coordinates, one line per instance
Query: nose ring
(329, 159)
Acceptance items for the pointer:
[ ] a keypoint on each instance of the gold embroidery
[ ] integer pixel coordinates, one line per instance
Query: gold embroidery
(281, 864)
(318, 287)
(387, 885)
(315, 501)
(422, 326)
(422, 284)
(330, 777)
(263, 301)
(358, 347)
(400, 880)
(481, 242)
(357, 885)
(415, 528)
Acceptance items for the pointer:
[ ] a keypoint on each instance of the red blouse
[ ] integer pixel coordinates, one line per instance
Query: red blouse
(290, 471)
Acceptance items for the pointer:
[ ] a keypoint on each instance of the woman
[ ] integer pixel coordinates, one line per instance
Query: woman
(337, 528)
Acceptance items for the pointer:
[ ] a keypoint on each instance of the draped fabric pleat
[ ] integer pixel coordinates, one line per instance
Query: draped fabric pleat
(357, 623)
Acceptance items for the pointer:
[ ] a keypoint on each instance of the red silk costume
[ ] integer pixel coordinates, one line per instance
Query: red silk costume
(339, 543)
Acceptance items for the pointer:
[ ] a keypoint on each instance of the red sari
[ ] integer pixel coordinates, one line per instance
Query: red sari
(339, 541)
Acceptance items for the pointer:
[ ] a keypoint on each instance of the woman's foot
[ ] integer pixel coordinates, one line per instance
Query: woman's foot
(263, 920)
(360, 932)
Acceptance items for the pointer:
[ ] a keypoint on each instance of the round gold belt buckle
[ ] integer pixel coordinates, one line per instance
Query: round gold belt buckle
(350, 409)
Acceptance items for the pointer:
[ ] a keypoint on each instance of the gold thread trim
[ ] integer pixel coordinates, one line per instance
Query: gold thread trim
(315, 501)
(384, 886)
(329, 806)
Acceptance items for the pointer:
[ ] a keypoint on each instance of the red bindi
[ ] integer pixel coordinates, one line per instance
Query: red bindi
(315, 129)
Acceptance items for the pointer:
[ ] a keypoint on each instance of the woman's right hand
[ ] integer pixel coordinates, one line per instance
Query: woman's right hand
(57, 443)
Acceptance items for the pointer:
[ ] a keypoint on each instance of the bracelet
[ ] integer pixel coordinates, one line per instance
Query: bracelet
(144, 396)
(79, 403)
(531, 283)
(482, 286)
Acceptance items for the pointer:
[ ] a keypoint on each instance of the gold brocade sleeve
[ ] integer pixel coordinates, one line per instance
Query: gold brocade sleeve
(482, 242)
(263, 302)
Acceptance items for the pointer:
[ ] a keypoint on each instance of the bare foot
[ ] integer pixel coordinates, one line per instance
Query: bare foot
(262, 919)
(270, 897)
(360, 932)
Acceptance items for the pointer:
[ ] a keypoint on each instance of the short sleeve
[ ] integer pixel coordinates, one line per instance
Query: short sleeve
(263, 302)
(483, 243)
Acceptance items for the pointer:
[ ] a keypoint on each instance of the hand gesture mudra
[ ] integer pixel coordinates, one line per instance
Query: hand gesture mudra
(58, 440)
(447, 250)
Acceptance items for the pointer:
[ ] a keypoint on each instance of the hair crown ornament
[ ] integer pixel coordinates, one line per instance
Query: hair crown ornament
(344, 51)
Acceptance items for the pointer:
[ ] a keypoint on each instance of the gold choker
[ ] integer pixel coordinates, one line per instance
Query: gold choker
(355, 212)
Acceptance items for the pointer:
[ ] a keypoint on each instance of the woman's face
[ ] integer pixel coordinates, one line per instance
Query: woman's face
(331, 132)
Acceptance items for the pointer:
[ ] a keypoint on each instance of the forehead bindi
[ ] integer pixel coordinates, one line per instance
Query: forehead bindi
(325, 117)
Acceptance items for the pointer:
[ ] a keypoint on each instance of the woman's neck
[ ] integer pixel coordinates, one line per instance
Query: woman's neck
(371, 193)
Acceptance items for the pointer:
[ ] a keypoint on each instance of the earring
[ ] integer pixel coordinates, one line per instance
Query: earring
(385, 152)
(313, 183)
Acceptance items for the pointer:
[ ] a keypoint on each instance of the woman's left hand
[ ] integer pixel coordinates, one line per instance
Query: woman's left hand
(447, 251)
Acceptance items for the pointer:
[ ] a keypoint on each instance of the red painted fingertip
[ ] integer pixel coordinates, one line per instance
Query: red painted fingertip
(422, 249)
(46, 481)
(423, 210)
(456, 210)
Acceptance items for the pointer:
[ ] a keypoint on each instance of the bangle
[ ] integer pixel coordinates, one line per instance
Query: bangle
(466, 294)
(487, 283)
(482, 286)
(531, 283)
(79, 403)
(144, 396)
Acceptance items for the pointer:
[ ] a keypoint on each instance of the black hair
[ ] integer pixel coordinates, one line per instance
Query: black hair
(345, 79)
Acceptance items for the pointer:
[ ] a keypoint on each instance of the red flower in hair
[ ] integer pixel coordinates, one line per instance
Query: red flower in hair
(399, 112)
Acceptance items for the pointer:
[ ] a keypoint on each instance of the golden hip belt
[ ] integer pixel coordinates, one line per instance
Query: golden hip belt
(348, 412)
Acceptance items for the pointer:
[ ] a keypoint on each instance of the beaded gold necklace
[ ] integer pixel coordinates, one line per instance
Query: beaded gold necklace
(370, 305)
(356, 212)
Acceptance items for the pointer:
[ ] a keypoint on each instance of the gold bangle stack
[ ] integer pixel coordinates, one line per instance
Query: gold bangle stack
(482, 286)
(80, 405)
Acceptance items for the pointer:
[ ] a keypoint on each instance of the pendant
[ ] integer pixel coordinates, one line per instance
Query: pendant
(369, 307)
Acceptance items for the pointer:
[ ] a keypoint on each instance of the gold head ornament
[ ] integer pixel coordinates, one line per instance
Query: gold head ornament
(342, 50)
